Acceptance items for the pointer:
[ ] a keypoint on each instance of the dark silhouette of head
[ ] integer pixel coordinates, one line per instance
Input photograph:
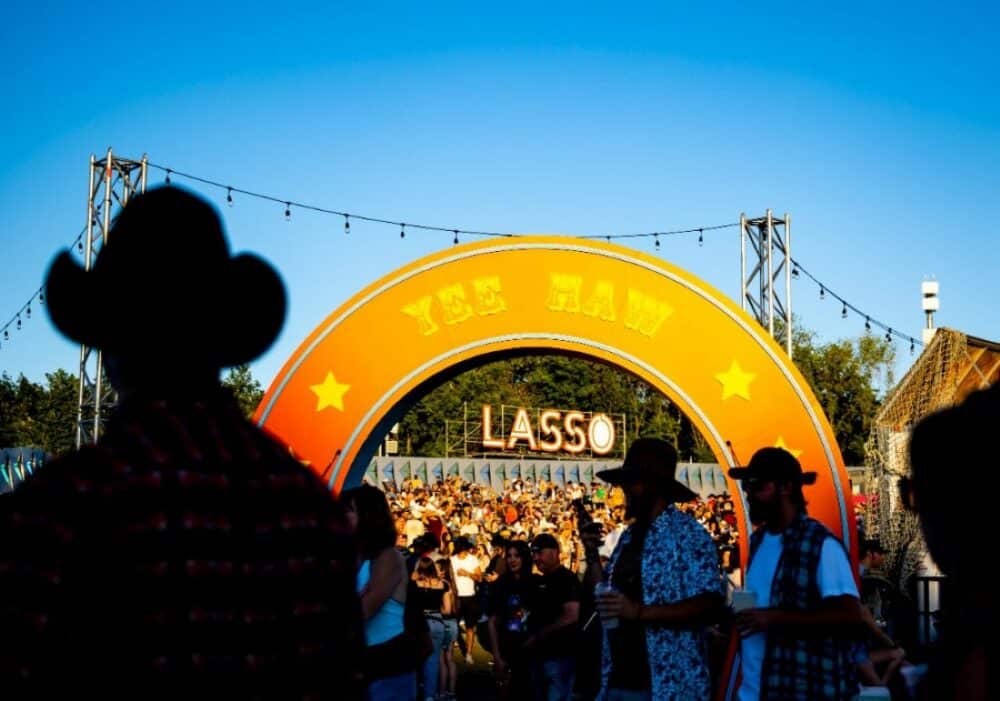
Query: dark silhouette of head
(165, 301)
(376, 530)
(944, 447)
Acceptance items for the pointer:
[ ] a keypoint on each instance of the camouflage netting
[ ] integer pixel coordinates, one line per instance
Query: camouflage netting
(931, 384)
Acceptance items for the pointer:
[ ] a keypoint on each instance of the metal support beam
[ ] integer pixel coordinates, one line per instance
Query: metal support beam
(769, 258)
(112, 182)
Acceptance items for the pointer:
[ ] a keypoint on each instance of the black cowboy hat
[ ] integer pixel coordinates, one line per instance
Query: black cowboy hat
(165, 283)
(775, 464)
(652, 460)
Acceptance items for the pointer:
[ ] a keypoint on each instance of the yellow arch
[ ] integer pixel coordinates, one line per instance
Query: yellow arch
(354, 375)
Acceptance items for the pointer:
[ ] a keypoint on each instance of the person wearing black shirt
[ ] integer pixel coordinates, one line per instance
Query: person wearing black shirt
(552, 625)
(511, 598)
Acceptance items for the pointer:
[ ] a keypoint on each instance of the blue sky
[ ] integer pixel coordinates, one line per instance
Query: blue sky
(878, 129)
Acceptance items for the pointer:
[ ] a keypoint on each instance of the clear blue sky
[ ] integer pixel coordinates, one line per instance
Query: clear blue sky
(878, 129)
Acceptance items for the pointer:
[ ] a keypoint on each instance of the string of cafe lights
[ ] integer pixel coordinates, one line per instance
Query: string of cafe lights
(37, 298)
(870, 321)
(288, 203)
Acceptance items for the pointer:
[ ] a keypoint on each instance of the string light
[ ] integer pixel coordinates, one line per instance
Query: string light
(41, 297)
(888, 336)
(28, 310)
(169, 172)
(6, 336)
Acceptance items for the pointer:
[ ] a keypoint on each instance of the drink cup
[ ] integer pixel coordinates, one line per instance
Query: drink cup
(609, 622)
(744, 599)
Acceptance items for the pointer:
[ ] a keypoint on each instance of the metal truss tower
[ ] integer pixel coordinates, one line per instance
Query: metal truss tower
(112, 182)
(762, 289)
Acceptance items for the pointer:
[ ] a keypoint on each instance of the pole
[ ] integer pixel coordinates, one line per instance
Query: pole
(788, 285)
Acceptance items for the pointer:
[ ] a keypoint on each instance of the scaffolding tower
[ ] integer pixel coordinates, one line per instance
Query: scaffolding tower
(113, 181)
(762, 289)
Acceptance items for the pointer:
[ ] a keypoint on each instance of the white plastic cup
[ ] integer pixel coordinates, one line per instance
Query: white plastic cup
(744, 599)
(601, 588)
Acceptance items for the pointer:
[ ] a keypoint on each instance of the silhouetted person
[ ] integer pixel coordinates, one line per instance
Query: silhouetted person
(799, 639)
(186, 552)
(944, 446)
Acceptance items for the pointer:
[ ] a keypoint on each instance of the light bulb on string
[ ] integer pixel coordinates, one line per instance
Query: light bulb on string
(288, 211)
(41, 297)
(455, 240)
(868, 325)
(843, 312)
(607, 238)
(701, 238)
(6, 336)
(347, 224)
(888, 336)
(79, 247)
(795, 272)
(28, 311)
(229, 196)
(402, 231)
(912, 347)
(18, 322)
(656, 239)
(822, 292)
(168, 176)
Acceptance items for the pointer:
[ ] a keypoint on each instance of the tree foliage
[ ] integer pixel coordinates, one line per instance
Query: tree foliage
(846, 376)
(245, 387)
(39, 415)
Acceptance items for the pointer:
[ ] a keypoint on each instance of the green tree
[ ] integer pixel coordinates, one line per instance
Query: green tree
(247, 390)
(846, 376)
(56, 422)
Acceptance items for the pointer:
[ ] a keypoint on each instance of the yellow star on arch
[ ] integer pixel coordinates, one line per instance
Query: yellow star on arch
(735, 382)
(781, 444)
(330, 393)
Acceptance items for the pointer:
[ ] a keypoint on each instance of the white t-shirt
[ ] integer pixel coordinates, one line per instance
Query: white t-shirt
(413, 529)
(835, 579)
(470, 563)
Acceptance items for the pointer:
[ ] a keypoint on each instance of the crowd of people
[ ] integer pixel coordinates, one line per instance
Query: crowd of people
(189, 554)
(456, 508)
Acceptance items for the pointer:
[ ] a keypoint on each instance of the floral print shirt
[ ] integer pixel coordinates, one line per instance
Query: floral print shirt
(679, 562)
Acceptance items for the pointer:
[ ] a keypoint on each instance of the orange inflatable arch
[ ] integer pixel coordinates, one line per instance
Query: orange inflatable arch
(371, 359)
